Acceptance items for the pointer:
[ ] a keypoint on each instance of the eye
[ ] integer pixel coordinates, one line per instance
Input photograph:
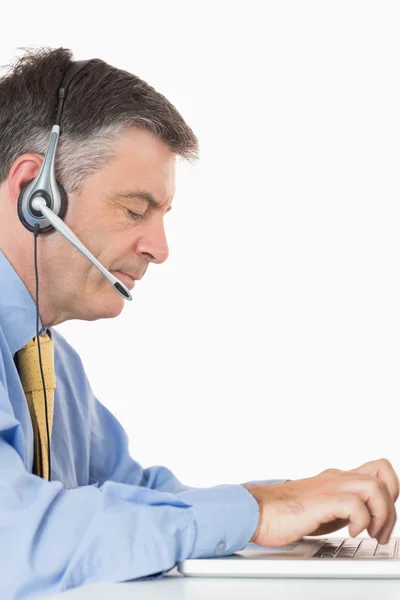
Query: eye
(133, 215)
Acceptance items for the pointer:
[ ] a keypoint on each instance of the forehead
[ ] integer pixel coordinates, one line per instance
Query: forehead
(143, 161)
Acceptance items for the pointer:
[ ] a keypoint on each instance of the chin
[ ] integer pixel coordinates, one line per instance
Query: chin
(106, 305)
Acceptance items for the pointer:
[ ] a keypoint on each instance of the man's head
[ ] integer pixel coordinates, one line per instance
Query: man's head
(116, 158)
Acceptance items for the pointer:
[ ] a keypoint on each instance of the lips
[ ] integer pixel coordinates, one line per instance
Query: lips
(132, 275)
(127, 279)
(127, 274)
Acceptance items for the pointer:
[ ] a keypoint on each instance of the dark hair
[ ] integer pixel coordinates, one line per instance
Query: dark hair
(101, 103)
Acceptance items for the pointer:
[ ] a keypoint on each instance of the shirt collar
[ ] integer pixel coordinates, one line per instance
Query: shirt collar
(17, 308)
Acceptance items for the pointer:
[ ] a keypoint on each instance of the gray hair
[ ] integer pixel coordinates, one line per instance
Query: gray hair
(101, 104)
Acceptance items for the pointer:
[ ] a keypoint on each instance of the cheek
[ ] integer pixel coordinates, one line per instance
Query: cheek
(106, 236)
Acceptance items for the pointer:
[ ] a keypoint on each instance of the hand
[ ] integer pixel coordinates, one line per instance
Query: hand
(362, 498)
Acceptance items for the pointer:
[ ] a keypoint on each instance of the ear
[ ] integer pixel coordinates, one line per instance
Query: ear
(24, 169)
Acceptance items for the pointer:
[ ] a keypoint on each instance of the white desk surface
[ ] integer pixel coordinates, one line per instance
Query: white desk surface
(175, 586)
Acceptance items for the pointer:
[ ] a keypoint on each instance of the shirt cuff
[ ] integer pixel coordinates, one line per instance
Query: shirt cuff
(226, 517)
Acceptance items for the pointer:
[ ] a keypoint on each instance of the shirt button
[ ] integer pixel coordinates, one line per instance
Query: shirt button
(220, 548)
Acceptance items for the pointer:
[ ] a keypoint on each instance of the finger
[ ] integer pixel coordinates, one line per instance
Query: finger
(384, 535)
(383, 470)
(348, 507)
(376, 496)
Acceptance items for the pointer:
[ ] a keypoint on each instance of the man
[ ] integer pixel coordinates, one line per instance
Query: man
(101, 516)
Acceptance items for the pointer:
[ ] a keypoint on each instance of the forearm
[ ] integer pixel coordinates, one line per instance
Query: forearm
(58, 539)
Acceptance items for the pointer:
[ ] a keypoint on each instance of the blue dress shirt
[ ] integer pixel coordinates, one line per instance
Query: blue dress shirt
(102, 517)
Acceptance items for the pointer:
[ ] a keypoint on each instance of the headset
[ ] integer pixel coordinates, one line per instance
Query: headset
(42, 204)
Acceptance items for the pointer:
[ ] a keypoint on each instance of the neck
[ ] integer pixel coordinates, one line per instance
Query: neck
(23, 263)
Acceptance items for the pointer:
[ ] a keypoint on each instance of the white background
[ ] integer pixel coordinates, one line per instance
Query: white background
(267, 346)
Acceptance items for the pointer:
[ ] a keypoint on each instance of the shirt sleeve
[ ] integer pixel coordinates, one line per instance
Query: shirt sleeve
(110, 460)
(62, 538)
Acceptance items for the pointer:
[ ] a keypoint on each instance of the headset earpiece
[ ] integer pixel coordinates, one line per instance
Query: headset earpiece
(29, 217)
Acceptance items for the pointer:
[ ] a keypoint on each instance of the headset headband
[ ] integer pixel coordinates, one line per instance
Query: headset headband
(69, 75)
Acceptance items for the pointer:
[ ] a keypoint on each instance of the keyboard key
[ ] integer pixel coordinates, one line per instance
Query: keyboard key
(386, 551)
(328, 550)
(397, 553)
(348, 549)
(366, 549)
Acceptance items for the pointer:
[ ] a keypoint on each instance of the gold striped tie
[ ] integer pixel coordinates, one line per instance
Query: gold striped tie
(31, 379)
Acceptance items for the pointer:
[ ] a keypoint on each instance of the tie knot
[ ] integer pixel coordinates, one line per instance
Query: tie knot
(33, 342)
(29, 365)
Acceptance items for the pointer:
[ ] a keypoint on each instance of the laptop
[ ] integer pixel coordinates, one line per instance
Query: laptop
(309, 557)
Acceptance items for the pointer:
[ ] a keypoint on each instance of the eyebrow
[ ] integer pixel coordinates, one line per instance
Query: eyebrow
(140, 195)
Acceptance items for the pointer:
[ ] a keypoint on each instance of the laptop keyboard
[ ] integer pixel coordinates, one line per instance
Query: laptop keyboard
(359, 549)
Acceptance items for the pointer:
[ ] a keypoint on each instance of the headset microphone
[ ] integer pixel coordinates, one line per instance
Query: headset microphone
(39, 204)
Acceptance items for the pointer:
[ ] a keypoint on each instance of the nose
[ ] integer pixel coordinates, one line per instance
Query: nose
(152, 243)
